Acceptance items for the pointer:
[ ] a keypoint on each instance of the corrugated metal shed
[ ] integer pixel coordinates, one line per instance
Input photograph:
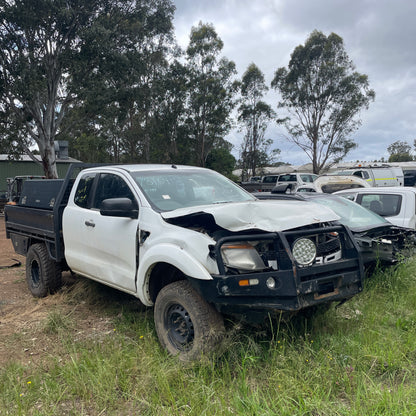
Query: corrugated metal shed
(26, 166)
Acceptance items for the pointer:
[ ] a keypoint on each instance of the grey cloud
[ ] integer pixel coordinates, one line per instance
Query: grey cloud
(378, 35)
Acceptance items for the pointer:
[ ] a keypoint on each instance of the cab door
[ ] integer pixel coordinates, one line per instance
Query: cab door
(101, 247)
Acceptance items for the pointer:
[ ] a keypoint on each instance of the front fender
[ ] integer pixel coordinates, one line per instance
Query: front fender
(173, 255)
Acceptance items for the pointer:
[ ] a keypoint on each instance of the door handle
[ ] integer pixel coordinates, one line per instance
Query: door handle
(90, 224)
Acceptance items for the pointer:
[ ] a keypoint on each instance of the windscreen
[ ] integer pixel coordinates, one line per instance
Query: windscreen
(169, 190)
(352, 214)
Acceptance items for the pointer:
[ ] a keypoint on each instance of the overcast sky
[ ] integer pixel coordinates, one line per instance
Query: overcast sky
(379, 36)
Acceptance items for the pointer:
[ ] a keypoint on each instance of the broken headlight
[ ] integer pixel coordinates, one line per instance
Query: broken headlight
(242, 256)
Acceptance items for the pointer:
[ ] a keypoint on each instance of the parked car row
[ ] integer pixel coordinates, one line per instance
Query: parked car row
(381, 175)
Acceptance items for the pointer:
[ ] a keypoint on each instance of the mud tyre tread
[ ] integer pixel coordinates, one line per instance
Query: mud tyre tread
(43, 275)
(205, 322)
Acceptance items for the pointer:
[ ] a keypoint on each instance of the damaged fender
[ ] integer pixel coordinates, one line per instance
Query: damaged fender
(173, 255)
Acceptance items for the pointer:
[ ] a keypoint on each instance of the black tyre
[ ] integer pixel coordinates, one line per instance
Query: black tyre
(43, 275)
(186, 324)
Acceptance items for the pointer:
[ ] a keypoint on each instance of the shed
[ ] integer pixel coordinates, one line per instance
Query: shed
(26, 166)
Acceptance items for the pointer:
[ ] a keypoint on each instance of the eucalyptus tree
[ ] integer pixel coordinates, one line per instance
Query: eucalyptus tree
(254, 115)
(400, 151)
(58, 55)
(128, 52)
(323, 95)
(170, 142)
(37, 38)
(211, 91)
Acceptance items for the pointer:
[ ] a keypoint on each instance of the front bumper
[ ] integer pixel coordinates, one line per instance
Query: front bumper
(295, 287)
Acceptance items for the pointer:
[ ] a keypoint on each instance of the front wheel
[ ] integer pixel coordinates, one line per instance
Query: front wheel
(43, 275)
(186, 324)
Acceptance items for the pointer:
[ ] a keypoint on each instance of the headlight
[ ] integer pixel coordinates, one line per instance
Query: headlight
(242, 256)
(304, 251)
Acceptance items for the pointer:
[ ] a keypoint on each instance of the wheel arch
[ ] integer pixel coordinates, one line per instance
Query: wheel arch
(161, 275)
(163, 265)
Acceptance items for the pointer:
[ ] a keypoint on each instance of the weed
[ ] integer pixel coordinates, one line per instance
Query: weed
(57, 322)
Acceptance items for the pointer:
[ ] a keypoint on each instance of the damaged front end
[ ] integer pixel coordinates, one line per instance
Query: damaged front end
(386, 245)
(263, 272)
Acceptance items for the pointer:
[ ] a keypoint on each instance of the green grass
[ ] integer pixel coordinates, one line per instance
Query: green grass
(358, 359)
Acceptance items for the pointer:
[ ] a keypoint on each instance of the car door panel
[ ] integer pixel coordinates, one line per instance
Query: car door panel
(103, 248)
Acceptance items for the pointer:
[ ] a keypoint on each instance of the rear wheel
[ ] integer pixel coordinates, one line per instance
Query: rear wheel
(43, 275)
(186, 324)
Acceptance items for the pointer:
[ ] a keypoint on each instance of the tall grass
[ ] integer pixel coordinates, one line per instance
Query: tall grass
(357, 359)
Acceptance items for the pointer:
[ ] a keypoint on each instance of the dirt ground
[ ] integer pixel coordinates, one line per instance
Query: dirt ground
(23, 318)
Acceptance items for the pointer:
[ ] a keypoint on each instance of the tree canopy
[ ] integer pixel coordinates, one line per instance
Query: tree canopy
(254, 116)
(108, 77)
(211, 90)
(323, 95)
(60, 55)
(400, 151)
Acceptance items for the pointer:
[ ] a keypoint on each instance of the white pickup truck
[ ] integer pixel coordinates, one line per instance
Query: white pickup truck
(395, 204)
(187, 241)
(377, 176)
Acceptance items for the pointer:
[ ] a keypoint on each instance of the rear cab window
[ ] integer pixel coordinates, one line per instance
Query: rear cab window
(108, 185)
(287, 178)
(83, 193)
(386, 205)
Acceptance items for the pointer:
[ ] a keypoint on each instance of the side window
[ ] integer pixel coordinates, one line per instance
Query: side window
(111, 186)
(365, 175)
(308, 178)
(270, 179)
(83, 192)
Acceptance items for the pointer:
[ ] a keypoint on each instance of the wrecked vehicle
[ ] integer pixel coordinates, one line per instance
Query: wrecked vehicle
(379, 240)
(395, 204)
(187, 241)
(329, 184)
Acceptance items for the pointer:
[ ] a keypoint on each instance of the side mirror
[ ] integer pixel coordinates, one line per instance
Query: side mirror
(119, 207)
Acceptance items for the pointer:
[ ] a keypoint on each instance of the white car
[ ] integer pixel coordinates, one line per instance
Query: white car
(296, 178)
(187, 241)
(396, 204)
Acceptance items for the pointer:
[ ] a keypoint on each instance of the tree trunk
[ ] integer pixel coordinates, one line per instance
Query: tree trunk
(49, 160)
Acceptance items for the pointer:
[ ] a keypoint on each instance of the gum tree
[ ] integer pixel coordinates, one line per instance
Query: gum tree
(55, 55)
(211, 92)
(254, 116)
(323, 95)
